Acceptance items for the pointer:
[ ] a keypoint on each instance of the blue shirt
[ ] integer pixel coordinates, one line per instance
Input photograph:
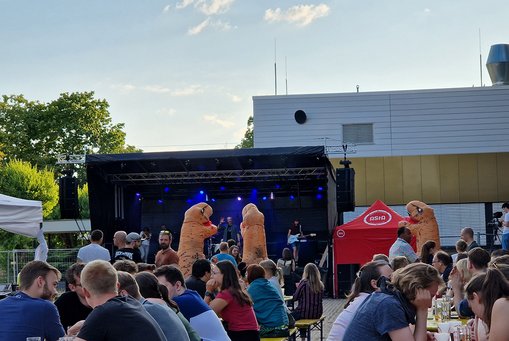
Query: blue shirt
(24, 316)
(376, 317)
(402, 248)
(268, 305)
(225, 256)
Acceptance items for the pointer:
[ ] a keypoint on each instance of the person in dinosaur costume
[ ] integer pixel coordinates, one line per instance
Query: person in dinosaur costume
(422, 222)
(195, 229)
(253, 234)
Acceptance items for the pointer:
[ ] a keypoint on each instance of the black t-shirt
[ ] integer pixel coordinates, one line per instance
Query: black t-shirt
(128, 253)
(70, 309)
(196, 284)
(295, 229)
(121, 318)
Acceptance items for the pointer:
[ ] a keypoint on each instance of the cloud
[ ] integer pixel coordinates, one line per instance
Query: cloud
(169, 112)
(234, 98)
(187, 91)
(184, 4)
(158, 89)
(214, 7)
(215, 120)
(301, 15)
(216, 24)
(166, 8)
(127, 87)
(199, 28)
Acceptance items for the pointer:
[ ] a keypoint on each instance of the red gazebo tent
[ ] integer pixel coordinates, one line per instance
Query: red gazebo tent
(357, 241)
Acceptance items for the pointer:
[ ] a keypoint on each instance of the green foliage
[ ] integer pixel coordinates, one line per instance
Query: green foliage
(83, 202)
(22, 180)
(248, 139)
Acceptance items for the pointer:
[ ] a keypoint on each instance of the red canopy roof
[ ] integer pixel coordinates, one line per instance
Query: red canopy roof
(372, 232)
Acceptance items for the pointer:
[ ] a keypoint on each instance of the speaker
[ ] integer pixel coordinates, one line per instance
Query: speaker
(346, 274)
(345, 189)
(68, 197)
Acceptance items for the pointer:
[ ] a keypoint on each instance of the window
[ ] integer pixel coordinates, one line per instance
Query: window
(358, 133)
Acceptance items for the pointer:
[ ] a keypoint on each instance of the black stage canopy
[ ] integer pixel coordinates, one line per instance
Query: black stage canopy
(132, 191)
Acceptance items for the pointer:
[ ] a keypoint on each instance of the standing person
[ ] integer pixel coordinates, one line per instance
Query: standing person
(294, 233)
(387, 314)
(94, 250)
(228, 230)
(200, 274)
(145, 244)
(428, 251)
(402, 247)
(287, 265)
(488, 296)
(232, 303)
(309, 296)
(119, 239)
(201, 317)
(112, 314)
(467, 234)
(131, 250)
(166, 255)
(505, 225)
(30, 312)
(365, 283)
(72, 305)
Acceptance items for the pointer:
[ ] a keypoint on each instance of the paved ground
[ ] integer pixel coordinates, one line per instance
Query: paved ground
(331, 309)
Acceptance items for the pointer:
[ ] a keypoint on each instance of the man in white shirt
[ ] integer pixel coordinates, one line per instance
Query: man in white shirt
(94, 250)
(505, 225)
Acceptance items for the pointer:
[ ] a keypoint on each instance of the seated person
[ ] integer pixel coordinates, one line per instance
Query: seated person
(223, 255)
(200, 274)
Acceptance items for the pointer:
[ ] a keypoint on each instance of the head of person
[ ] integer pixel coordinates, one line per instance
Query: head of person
(467, 234)
(416, 276)
(462, 267)
(505, 207)
(73, 279)
(312, 275)
(145, 233)
(231, 242)
(225, 275)
(498, 253)
(96, 236)
(367, 278)
(145, 267)
(380, 257)
(126, 265)
(127, 285)
(427, 249)
(255, 271)
(172, 278)
(478, 259)
(483, 290)
(287, 254)
(461, 255)
(242, 267)
(234, 251)
(441, 260)
(38, 279)
(399, 262)
(133, 240)
(296, 222)
(501, 263)
(461, 246)
(165, 239)
(405, 234)
(201, 269)
(150, 287)
(229, 221)
(119, 239)
(270, 268)
(223, 247)
(99, 278)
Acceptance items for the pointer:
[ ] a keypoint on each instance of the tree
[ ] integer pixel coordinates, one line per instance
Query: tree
(248, 140)
(75, 123)
(21, 179)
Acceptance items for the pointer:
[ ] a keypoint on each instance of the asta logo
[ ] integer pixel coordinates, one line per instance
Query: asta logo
(378, 217)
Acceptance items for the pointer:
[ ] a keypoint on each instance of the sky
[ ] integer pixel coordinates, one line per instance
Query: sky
(181, 74)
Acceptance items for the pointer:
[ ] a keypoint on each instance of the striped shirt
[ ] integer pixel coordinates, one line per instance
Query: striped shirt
(309, 303)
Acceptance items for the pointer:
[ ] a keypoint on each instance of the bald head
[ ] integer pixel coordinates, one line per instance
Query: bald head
(467, 234)
(119, 239)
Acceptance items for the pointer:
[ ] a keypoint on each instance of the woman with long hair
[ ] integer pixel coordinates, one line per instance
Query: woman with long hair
(428, 251)
(273, 274)
(234, 251)
(154, 292)
(309, 296)
(488, 296)
(365, 283)
(232, 303)
(387, 313)
(287, 265)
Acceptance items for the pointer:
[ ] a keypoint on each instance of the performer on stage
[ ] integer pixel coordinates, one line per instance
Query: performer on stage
(228, 230)
(294, 233)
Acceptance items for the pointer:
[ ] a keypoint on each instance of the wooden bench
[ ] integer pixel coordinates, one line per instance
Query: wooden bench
(292, 332)
(309, 325)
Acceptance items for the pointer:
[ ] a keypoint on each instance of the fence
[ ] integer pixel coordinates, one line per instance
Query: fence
(11, 262)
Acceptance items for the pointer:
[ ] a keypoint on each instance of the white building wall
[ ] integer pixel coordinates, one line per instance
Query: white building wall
(417, 122)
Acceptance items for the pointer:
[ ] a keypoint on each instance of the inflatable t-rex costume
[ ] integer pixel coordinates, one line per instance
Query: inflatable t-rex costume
(253, 234)
(195, 229)
(422, 223)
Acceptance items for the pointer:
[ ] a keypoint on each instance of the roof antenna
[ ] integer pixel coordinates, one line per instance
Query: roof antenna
(275, 69)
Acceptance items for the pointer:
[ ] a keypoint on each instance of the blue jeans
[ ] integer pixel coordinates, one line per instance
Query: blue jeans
(505, 241)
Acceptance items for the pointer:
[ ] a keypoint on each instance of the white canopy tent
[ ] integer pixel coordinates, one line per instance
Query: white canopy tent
(24, 217)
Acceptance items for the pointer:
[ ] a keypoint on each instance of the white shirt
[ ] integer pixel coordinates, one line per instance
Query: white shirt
(345, 317)
(506, 220)
(92, 252)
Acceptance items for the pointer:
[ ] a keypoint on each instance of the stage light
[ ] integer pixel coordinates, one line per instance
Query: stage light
(167, 189)
(292, 197)
(222, 188)
(201, 192)
(271, 195)
(206, 197)
(264, 198)
(278, 186)
(239, 198)
(160, 201)
(213, 200)
(138, 195)
(188, 201)
(319, 196)
(320, 188)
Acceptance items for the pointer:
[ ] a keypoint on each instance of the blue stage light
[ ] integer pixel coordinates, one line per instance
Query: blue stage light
(160, 201)
(213, 200)
(319, 196)
(239, 198)
(278, 186)
(320, 188)
(222, 188)
(188, 201)
(167, 189)
(292, 197)
(201, 192)
(138, 194)
(264, 198)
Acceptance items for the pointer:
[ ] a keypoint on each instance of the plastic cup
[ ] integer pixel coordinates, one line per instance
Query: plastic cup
(442, 337)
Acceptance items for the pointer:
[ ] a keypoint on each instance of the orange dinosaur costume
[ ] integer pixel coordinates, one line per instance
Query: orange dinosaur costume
(253, 234)
(422, 223)
(195, 229)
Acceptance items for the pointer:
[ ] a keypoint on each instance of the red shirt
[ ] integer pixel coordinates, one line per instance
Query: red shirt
(239, 317)
(166, 257)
